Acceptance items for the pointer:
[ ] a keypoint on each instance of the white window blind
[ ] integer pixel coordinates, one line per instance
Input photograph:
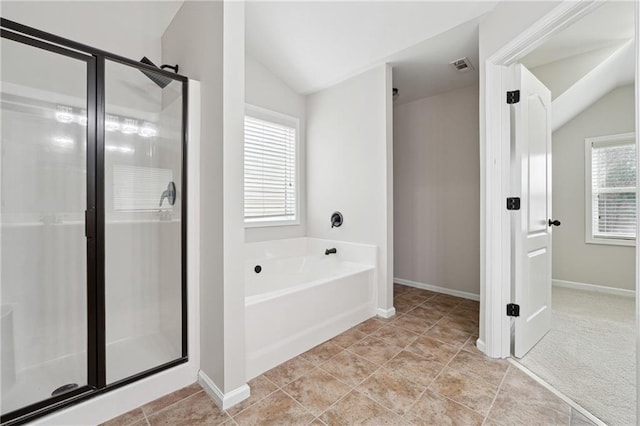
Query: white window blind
(269, 171)
(140, 188)
(613, 189)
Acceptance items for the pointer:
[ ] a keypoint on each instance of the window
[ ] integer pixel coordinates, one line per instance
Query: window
(270, 168)
(610, 180)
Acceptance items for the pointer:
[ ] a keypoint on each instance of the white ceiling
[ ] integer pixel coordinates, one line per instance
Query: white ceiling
(611, 24)
(424, 69)
(312, 45)
(587, 60)
(129, 28)
(615, 71)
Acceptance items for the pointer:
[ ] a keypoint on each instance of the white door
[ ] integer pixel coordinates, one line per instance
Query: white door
(531, 127)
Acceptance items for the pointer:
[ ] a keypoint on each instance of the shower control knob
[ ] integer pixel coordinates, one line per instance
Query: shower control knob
(336, 220)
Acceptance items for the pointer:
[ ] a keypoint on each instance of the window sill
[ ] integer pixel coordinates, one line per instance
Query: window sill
(270, 223)
(611, 241)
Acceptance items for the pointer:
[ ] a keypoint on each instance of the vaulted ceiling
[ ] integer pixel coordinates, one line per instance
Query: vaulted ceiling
(587, 60)
(312, 45)
(128, 28)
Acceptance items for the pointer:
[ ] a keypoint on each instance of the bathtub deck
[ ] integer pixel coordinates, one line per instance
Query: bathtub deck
(418, 367)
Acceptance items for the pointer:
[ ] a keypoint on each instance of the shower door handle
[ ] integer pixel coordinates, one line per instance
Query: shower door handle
(90, 223)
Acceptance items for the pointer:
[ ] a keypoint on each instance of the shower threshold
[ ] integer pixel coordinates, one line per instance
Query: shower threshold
(124, 358)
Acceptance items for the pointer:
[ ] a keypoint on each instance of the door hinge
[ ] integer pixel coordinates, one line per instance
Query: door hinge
(513, 310)
(513, 97)
(513, 203)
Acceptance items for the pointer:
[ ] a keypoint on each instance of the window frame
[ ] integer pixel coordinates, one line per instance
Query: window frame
(618, 139)
(285, 120)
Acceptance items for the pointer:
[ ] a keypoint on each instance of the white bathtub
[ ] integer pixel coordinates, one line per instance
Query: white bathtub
(302, 297)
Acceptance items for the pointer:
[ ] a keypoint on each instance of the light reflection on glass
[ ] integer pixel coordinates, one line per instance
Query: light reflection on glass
(64, 114)
(63, 142)
(130, 126)
(111, 123)
(82, 118)
(148, 131)
(120, 148)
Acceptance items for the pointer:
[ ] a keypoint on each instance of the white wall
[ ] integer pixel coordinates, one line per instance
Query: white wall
(560, 75)
(350, 169)
(207, 40)
(437, 191)
(233, 202)
(265, 90)
(573, 259)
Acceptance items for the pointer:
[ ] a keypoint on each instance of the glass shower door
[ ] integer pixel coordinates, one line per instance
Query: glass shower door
(43, 197)
(143, 202)
(92, 221)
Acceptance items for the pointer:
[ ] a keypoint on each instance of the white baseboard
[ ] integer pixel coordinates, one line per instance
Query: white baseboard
(386, 313)
(480, 345)
(437, 289)
(223, 400)
(594, 288)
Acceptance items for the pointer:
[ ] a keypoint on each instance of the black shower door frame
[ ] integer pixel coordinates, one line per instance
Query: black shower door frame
(95, 60)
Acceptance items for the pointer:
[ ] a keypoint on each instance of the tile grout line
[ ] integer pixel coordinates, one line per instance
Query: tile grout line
(433, 380)
(281, 388)
(496, 395)
(437, 375)
(337, 378)
(419, 384)
(570, 402)
(473, 375)
(296, 401)
(336, 402)
(424, 304)
(446, 365)
(365, 396)
(254, 403)
(170, 405)
(353, 387)
(231, 419)
(378, 367)
(320, 420)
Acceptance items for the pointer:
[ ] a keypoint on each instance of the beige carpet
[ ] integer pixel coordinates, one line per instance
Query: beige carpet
(589, 354)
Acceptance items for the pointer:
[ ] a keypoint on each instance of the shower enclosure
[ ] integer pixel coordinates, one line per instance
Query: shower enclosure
(92, 241)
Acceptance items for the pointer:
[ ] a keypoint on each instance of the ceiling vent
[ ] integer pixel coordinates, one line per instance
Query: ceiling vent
(462, 64)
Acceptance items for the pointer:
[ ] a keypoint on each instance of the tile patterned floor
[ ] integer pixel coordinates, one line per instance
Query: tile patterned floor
(420, 367)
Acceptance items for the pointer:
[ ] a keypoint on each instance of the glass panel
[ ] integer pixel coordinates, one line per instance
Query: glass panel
(143, 199)
(43, 247)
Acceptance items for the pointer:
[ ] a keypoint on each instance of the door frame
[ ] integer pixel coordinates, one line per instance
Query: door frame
(496, 246)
